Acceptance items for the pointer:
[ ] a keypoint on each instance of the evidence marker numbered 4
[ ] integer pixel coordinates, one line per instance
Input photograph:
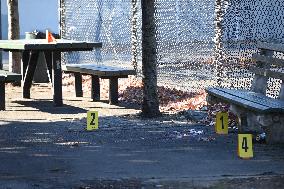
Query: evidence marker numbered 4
(92, 120)
(245, 150)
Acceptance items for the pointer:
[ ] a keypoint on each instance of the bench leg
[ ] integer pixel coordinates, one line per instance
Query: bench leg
(48, 60)
(25, 63)
(113, 90)
(57, 78)
(2, 95)
(78, 85)
(95, 91)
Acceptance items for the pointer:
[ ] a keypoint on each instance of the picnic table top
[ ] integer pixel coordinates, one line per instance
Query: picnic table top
(42, 44)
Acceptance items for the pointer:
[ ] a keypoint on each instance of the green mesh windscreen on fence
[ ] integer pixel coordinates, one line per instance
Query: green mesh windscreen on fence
(200, 43)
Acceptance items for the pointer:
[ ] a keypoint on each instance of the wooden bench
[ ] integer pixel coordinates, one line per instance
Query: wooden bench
(256, 111)
(96, 71)
(6, 77)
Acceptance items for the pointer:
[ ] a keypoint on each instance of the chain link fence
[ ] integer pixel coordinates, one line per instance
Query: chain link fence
(243, 24)
(200, 43)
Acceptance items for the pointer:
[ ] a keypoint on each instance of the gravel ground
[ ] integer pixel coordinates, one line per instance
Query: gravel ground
(46, 147)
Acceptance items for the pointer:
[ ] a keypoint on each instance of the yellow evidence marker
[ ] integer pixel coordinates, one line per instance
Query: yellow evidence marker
(92, 120)
(245, 150)
(221, 126)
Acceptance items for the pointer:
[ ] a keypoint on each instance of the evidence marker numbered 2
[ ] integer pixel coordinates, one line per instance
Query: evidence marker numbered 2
(92, 120)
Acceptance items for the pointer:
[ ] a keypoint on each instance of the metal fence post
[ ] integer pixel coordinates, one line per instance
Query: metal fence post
(1, 62)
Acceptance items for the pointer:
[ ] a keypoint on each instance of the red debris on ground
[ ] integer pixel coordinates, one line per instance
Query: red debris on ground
(220, 107)
(192, 101)
(131, 91)
(171, 99)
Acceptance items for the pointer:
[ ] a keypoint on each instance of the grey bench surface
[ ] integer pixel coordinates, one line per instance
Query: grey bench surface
(248, 99)
(256, 111)
(98, 70)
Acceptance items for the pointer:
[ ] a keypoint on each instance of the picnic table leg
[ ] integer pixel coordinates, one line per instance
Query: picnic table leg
(57, 78)
(2, 95)
(113, 90)
(78, 84)
(30, 70)
(25, 62)
(95, 91)
(48, 60)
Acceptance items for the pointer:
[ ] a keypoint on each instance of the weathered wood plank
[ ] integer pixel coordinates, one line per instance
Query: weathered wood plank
(268, 60)
(250, 99)
(256, 98)
(237, 100)
(271, 46)
(98, 70)
(267, 72)
(42, 44)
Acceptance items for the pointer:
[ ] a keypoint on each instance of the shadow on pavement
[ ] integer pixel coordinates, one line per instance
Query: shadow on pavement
(45, 105)
(123, 152)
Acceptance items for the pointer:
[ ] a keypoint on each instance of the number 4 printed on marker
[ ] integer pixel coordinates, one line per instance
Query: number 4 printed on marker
(245, 144)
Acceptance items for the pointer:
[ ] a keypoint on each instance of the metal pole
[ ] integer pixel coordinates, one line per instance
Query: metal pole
(98, 31)
(134, 35)
(60, 8)
(1, 62)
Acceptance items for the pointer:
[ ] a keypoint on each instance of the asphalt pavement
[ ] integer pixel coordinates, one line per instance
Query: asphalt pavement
(41, 147)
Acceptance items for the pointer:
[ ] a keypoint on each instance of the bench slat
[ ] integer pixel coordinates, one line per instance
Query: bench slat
(236, 100)
(268, 60)
(98, 70)
(256, 97)
(267, 72)
(10, 77)
(248, 99)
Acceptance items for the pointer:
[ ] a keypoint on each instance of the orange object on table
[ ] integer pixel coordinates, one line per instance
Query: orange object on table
(50, 37)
